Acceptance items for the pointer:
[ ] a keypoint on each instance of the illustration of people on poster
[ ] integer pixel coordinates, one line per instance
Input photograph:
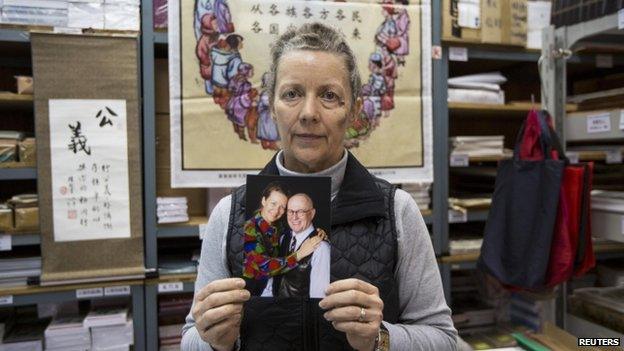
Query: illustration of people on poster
(223, 63)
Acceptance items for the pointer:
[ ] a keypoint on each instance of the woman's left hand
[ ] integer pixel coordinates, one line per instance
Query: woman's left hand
(355, 308)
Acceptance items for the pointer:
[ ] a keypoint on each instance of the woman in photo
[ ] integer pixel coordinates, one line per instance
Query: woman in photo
(261, 241)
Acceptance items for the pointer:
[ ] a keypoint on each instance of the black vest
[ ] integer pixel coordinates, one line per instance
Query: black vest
(295, 282)
(363, 245)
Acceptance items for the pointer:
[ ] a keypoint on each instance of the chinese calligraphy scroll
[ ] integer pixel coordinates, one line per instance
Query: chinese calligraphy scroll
(87, 123)
(218, 55)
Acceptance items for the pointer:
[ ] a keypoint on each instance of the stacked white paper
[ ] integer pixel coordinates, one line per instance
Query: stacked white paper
(105, 317)
(15, 271)
(85, 14)
(481, 88)
(97, 14)
(171, 209)
(609, 201)
(477, 145)
(67, 333)
(34, 345)
(538, 17)
(113, 337)
(35, 12)
(420, 193)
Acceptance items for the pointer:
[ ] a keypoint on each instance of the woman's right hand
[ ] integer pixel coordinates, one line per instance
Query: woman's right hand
(218, 311)
(308, 247)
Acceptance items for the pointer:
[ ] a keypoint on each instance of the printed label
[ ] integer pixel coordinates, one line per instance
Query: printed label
(459, 160)
(6, 300)
(170, 287)
(614, 156)
(5, 243)
(458, 54)
(573, 157)
(455, 216)
(599, 123)
(89, 293)
(123, 290)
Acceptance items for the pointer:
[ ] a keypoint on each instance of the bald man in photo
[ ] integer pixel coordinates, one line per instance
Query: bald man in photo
(311, 276)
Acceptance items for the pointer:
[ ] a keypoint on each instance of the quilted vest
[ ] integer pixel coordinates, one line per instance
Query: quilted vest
(363, 245)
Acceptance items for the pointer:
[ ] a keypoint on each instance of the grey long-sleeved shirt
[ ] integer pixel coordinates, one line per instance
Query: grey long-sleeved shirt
(425, 320)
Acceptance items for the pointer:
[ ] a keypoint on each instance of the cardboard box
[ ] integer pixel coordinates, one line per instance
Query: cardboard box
(502, 22)
(27, 150)
(27, 218)
(24, 85)
(6, 218)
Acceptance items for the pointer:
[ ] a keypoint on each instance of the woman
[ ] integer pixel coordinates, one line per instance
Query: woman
(385, 281)
(261, 241)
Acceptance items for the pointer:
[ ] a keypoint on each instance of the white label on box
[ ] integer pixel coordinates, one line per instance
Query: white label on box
(5, 243)
(123, 290)
(469, 13)
(458, 54)
(573, 157)
(6, 300)
(170, 287)
(459, 160)
(621, 19)
(89, 293)
(622, 119)
(614, 156)
(599, 123)
(604, 61)
(455, 216)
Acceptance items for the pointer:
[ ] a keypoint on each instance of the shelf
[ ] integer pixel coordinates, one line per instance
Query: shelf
(182, 230)
(517, 109)
(23, 239)
(603, 250)
(8, 99)
(18, 173)
(35, 294)
(427, 216)
(187, 280)
(14, 34)
(581, 327)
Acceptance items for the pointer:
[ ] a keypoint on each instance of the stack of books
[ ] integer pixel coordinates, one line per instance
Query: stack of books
(420, 193)
(111, 329)
(172, 209)
(67, 333)
(478, 146)
(172, 311)
(483, 88)
(14, 272)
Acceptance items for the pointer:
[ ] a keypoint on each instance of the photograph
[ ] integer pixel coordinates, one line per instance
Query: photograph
(286, 236)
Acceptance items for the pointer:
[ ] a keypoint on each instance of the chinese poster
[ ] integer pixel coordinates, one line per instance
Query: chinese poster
(89, 157)
(221, 127)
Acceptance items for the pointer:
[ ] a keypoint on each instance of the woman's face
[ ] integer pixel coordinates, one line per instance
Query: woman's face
(273, 206)
(312, 108)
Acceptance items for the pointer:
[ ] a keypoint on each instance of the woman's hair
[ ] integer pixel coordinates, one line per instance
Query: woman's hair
(274, 186)
(316, 37)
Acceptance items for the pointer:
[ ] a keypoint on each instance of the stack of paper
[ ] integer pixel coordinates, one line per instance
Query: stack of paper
(170, 336)
(67, 333)
(35, 12)
(420, 193)
(610, 201)
(172, 209)
(111, 329)
(477, 88)
(474, 146)
(25, 335)
(97, 14)
(15, 271)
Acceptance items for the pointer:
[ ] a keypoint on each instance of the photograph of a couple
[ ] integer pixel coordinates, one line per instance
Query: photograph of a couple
(286, 241)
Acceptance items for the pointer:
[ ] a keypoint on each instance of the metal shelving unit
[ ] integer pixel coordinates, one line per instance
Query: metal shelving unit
(25, 239)
(34, 295)
(14, 35)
